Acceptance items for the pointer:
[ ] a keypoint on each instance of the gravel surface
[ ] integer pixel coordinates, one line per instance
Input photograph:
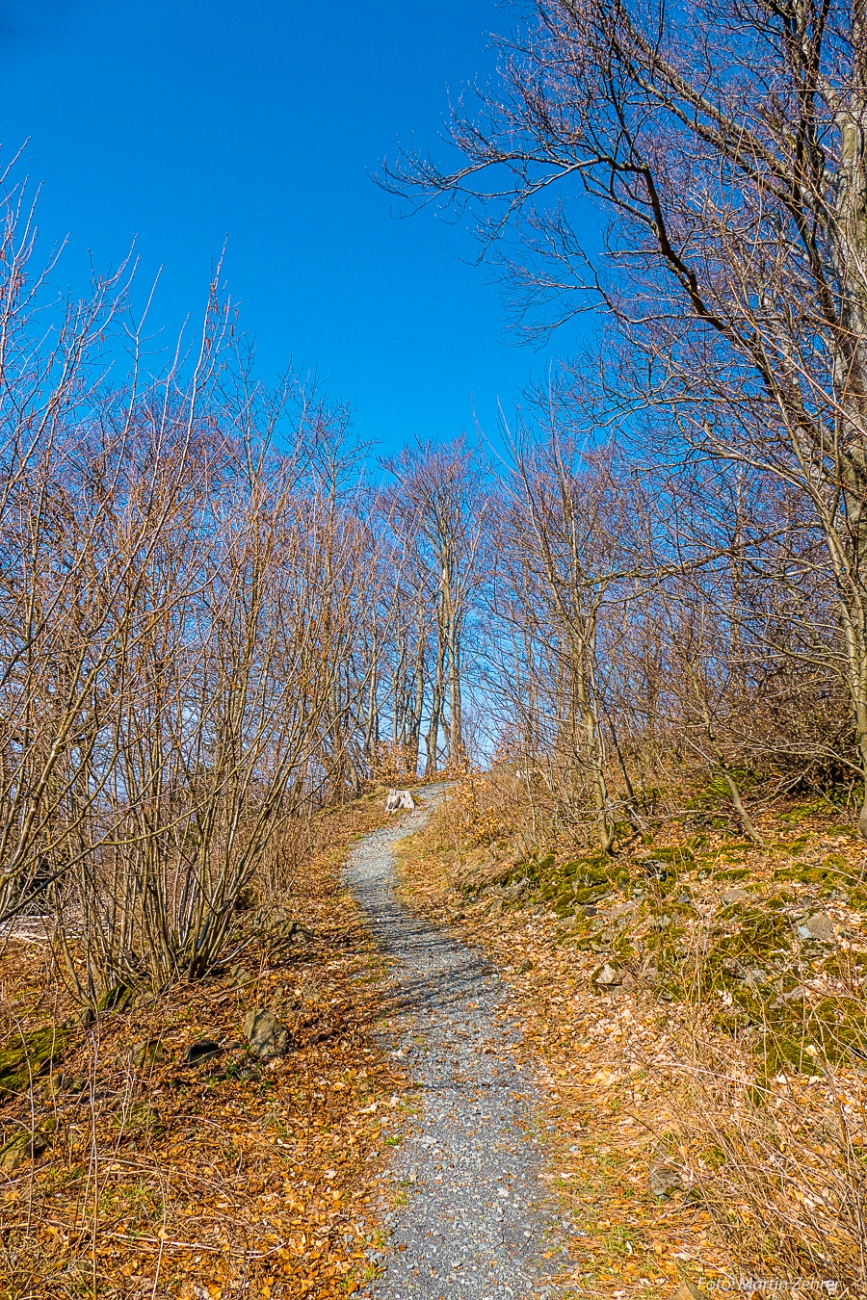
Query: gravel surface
(468, 1169)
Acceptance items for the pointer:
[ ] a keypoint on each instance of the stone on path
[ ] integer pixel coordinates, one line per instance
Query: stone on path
(398, 799)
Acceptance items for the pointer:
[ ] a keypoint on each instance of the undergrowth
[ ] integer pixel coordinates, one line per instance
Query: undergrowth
(752, 961)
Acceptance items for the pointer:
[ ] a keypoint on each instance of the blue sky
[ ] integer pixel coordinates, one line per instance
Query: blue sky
(180, 125)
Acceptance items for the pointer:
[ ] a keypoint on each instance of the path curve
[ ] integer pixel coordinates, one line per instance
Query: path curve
(470, 1229)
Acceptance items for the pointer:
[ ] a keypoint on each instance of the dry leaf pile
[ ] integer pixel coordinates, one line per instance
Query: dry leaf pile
(680, 1158)
(153, 1177)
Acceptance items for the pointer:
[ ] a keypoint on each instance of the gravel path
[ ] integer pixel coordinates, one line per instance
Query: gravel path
(469, 1230)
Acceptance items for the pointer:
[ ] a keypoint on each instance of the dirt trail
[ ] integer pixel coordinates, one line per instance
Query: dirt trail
(471, 1228)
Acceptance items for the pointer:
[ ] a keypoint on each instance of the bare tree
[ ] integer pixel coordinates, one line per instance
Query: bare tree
(728, 148)
(438, 501)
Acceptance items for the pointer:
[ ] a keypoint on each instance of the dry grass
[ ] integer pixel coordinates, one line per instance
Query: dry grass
(762, 1124)
(228, 1179)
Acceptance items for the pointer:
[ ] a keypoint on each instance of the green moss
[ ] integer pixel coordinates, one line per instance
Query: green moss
(802, 811)
(30, 1055)
(786, 1052)
(579, 882)
(118, 998)
(656, 909)
(832, 876)
(27, 1146)
(717, 790)
(733, 873)
(141, 1122)
(732, 1020)
(678, 856)
(838, 1026)
(760, 937)
(805, 875)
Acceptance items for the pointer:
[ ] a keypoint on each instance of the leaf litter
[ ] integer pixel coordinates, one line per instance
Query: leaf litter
(227, 1178)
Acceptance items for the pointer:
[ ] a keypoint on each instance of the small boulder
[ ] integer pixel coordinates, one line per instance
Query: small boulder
(30, 1055)
(54, 1085)
(664, 1179)
(398, 799)
(201, 1052)
(736, 895)
(820, 927)
(27, 1146)
(267, 1037)
(143, 1121)
(247, 898)
(117, 998)
(516, 889)
(146, 1053)
(609, 977)
(241, 978)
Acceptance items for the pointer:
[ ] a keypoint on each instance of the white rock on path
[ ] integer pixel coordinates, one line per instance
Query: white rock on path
(398, 799)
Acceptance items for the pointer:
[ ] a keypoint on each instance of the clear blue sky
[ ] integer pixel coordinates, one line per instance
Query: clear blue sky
(180, 123)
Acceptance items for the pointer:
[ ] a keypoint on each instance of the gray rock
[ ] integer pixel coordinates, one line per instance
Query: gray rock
(241, 978)
(608, 977)
(621, 911)
(736, 895)
(27, 1146)
(398, 799)
(687, 1291)
(146, 1053)
(820, 926)
(516, 890)
(664, 1179)
(266, 1036)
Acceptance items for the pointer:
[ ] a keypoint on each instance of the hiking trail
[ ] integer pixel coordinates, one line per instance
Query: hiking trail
(472, 1227)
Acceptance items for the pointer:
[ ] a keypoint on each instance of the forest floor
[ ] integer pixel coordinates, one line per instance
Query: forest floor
(157, 1178)
(492, 1090)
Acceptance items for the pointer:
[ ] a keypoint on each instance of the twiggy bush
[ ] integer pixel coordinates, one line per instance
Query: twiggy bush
(781, 1166)
(178, 620)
